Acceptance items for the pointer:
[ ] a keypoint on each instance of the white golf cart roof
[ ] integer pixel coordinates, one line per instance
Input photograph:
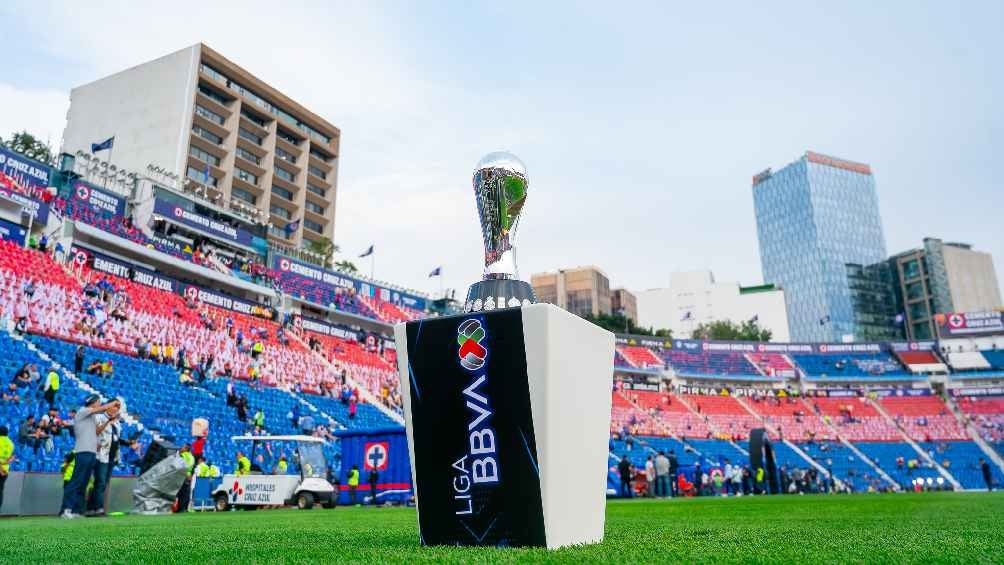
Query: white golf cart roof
(304, 439)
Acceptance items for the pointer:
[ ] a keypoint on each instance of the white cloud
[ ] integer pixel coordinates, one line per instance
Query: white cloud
(40, 112)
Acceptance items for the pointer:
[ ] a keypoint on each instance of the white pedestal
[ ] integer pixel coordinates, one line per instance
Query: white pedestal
(543, 391)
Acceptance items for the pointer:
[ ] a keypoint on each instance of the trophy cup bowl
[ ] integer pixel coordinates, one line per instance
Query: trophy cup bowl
(500, 190)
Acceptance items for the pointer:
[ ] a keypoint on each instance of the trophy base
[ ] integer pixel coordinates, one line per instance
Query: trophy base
(498, 293)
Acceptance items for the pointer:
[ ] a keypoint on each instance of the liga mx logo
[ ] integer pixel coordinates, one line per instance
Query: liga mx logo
(469, 336)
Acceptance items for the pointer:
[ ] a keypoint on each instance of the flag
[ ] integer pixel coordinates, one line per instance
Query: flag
(755, 318)
(104, 145)
(824, 319)
(205, 175)
(367, 253)
(687, 316)
(292, 226)
(436, 272)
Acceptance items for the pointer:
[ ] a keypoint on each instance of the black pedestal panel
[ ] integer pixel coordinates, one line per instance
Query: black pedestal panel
(475, 454)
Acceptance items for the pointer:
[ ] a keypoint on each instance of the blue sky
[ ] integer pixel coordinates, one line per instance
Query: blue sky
(641, 124)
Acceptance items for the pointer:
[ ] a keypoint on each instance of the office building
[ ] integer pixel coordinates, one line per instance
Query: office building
(815, 217)
(939, 278)
(584, 291)
(200, 116)
(695, 297)
(624, 303)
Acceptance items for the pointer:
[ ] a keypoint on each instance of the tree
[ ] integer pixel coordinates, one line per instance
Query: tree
(29, 146)
(347, 266)
(325, 248)
(749, 330)
(617, 323)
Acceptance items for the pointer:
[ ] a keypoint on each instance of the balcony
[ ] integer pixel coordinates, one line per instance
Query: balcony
(286, 145)
(254, 127)
(247, 184)
(212, 104)
(208, 146)
(210, 126)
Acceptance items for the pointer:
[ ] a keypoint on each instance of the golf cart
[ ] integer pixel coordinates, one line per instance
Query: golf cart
(260, 489)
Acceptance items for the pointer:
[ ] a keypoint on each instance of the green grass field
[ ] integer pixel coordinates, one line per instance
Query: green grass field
(933, 527)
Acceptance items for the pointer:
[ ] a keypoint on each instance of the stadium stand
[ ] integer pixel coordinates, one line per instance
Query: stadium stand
(729, 364)
(921, 361)
(772, 364)
(855, 418)
(968, 360)
(961, 459)
(639, 357)
(899, 460)
(791, 417)
(850, 366)
(986, 415)
(725, 415)
(924, 418)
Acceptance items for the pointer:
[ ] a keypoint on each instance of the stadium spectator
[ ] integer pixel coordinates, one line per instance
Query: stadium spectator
(243, 465)
(662, 474)
(85, 449)
(30, 434)
(108, 432)
(51, 386)
(184, 495)
(650, 476)
(78, 359)
(624, 470)
(6, 458)
(373, 480)
(988, 477)
(353, 481)
(674, 467)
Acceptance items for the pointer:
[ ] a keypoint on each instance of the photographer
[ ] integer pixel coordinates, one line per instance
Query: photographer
(108, 430)
(85, 432)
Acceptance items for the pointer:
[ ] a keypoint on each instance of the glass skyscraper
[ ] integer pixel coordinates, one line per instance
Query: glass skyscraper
(818, 222)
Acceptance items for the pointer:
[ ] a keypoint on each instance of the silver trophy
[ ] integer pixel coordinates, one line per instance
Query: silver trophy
(500, 188)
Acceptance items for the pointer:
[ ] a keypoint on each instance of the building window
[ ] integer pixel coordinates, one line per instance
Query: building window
(246, 176)
(284, 174)
(281, 212)
(207, 135)
(241, 194)
(289, 138)
(285, 155)
(249, 136)
(279, 191)
(209, 115)
(317, 172)
(316, 190)
(260, 122)
(317, 154)
(201, 176)
(216, 75)
(248, 156)
(319, 210)
(313, 226)
(279, 232)
(204, 156)
(213, 95)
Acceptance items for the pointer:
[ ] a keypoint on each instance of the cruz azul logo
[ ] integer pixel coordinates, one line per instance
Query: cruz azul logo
(235, 492)
(469, 336)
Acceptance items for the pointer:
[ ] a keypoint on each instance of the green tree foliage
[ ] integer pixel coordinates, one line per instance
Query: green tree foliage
(617, 323)
(749, 330)
(347, 266)
(325, 248)
(28, 145)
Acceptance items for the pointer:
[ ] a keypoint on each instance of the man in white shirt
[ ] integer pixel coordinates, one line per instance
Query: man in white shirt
(650, 476)
(108, 431)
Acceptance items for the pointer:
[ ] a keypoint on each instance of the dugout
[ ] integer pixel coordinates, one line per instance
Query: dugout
(383, 449)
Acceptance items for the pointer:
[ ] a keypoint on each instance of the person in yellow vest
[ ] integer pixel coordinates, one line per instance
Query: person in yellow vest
(281, 467)
(168, 353)
(69, 462)
(243, 465)
(353, 482)
(257, 349)
(6, 456)
(51, 386)
(201, 468)
(106, 369)
(760, 486)
(155, 352)
(213, 471)
(184, 496)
